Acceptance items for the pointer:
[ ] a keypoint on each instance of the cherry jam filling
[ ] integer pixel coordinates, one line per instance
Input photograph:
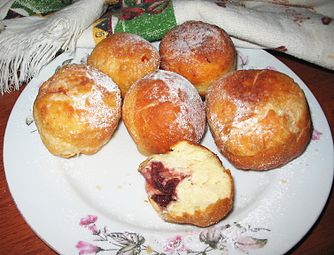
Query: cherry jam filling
(164, 183)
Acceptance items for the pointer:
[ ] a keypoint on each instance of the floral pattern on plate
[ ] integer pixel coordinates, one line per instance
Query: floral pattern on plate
(218, 238)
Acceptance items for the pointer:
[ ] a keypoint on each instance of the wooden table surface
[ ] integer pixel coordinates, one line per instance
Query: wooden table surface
(16, 237)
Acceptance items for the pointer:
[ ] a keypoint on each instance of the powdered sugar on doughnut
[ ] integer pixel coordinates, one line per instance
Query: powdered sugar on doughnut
(96, 112)
(102, 80)
(191, 38)
(191, 106)
(243, 117)
(133, 38)
(136, 44)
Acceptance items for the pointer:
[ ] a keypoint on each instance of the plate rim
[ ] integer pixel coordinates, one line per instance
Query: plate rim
(10, 185)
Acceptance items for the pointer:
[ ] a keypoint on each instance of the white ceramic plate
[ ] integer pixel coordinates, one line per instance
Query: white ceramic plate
(94, 204)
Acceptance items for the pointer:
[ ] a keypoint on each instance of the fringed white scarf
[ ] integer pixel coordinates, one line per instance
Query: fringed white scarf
(27, 44)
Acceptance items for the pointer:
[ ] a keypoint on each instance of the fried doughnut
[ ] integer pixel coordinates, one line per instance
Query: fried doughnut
(77, 110)
(259, 118)
(161, 109)
(199, 51)
(125, 58)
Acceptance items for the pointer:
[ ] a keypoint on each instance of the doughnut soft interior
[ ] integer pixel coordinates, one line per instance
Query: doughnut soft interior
(188, 185)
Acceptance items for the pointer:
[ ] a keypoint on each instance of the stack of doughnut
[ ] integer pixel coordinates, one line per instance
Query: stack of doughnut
(259, 119)
(163, 108)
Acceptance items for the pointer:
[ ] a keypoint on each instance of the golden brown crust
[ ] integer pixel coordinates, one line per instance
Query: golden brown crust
(125, 58)
(259, 118)
(199, 51)
(162, 109)
(77, 110)
(204, 217)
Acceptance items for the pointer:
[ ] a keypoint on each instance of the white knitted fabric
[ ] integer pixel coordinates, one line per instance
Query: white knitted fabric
(29, 43)
(297, 27)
